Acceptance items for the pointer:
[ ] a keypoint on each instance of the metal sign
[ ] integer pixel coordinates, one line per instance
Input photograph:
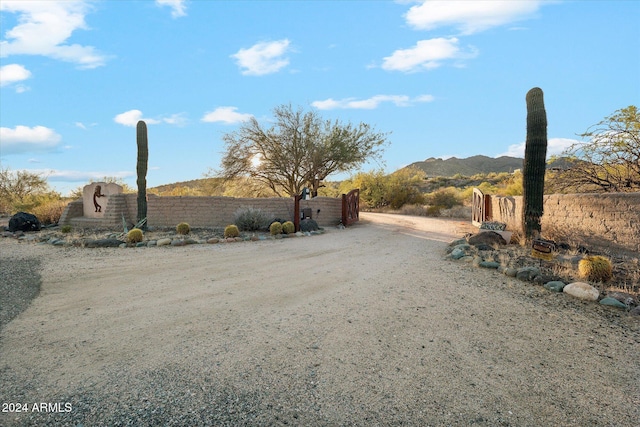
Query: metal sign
(543, 249)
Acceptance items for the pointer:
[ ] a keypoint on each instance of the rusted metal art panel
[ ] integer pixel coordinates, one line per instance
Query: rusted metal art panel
(478, 208)
(351, 207)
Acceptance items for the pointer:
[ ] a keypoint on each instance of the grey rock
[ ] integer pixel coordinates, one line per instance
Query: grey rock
(635, 311)
(612, 302)
(151, 243)
(163, 242)
(103, 243)
(178, 242)
(624, 298)
(510, 271)
(23, 221)
(489, 238)
(457, 253)
(489, 264)
(484, 247)
(555, 286)
(457, 242)
(527, 274)
(141, 244)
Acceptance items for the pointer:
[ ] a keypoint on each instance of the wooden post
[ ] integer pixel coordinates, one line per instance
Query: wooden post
(296, 212)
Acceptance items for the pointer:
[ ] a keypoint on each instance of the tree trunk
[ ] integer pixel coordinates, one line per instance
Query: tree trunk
(141, 169)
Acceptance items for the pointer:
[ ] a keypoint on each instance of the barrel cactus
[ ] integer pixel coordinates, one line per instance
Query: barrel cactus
(534, 167)
(231, 231)
(275, 228)
(183, 228)
(288, 227)
(595, 268)
(141, 168)
(134, 236)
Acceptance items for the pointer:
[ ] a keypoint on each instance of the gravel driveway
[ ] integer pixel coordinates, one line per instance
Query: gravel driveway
(364, 326)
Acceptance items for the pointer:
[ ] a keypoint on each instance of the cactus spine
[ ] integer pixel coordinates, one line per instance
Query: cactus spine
(141, 168)
(535, 155)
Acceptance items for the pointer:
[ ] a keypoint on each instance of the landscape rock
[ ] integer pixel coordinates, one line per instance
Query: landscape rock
(635, 311)
(489, 264)
(527, 274)
(510, 271)
(103, 243)
(624, 298)
(488, 238)
(457, 253)
(582, 290)
(163, 242)
(309, 224)
(555, 286)
(213, 240)
(23, 221)
(612, 302)
(178, 242)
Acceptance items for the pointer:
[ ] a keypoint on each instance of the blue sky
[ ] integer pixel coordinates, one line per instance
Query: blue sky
(444, 78)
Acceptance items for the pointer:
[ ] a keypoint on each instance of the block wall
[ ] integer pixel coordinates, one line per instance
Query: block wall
(608, 221)
(201, 211)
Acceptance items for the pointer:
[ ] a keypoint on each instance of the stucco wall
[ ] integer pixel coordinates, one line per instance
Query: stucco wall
(604, 220)
(201, 211)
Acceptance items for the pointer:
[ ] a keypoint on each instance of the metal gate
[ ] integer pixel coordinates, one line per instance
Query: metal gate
(351, 207)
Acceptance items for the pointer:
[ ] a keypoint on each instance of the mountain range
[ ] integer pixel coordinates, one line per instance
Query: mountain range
(468, 166)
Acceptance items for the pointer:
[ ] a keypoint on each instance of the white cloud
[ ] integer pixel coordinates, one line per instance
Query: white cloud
(13, 73)
(131, 118)
(43, 29)
(24, 139)
(469, 16)
(176, 119)
(226, 115)
(79, 176)
(370, 103)
(426, 55)
(178, 7)
(263, 58)
(555, 146)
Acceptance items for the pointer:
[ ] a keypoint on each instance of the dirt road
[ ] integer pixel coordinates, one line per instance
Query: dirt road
(363, 326)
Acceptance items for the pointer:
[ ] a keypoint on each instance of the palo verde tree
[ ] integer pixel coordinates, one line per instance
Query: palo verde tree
(141, 168)
(299, 150)
(608, 158)
(534, 167)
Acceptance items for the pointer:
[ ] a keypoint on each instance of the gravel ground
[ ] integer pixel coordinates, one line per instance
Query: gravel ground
(365, 326)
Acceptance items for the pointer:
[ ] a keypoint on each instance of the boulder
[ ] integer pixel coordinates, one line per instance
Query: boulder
(555, 286)
(308, 224)
(624, 298)
(23, 221)
(581, 290)
(488, 238)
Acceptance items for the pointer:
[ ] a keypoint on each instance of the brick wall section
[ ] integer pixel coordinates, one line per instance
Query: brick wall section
(608, 221)
(200, 211)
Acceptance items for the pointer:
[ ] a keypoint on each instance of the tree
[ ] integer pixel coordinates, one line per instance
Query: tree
(378, 190)
(17, 187)
(609, 158)
(300, 150)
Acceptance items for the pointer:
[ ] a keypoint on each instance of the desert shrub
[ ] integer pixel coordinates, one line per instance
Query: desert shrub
(308, 224)
(445, 198)
(414, 209)
(134, 236)
(49, 212)
(66, 229)
(456, 212)
(288, 227)
(275, 228)
(251, 219)
(183, 228)
(231, 231)
(434, 210)
(595, 268)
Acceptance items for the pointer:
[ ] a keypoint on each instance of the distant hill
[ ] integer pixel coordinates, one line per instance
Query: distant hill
(468, 166)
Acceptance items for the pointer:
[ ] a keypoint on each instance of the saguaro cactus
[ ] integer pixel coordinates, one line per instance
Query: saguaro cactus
(535, 156)
(141, 168)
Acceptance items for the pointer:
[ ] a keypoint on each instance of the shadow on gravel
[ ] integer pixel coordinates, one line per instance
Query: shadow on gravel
(19, 284)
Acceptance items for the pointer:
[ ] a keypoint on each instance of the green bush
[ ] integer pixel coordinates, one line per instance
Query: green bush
(445, 198)
(49, 212)
(275, 228)
(66, 229)
(231, 231)
(183, 228)
(134, 236)
(251, 219)
(288, 227)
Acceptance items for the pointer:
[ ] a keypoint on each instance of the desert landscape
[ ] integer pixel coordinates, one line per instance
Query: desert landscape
(369, 325)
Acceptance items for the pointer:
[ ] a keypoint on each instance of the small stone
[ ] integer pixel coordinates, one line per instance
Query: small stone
(527, 274)
(122, 245)
(151, 243)
(612, 302)
(581, 290)
(467, 258)
(299, 234)
(510, 271)
(230, 240)
(476, 261)
(141, 244)
(103, 243)
(254, 238)
(457, 253)
(555, 286)
(484, 247)
(624, 298)
(458, 242)
(178, 242)
(635, 311)
(239, 239)
(489, 264)
(213, 240)
(163, 242)
(191, 241)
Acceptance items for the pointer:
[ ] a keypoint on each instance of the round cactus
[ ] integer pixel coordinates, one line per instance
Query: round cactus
(595, 268)
(134, 236)
(183, 228)
(275, 228)
(231, 231)
(288, 227)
